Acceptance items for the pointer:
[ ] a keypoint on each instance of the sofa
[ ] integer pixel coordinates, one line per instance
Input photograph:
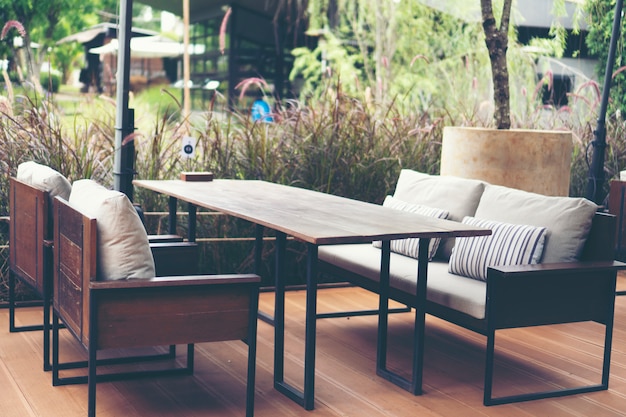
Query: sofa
(549, 260)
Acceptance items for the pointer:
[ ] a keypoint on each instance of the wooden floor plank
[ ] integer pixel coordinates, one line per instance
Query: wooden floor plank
(346, 382)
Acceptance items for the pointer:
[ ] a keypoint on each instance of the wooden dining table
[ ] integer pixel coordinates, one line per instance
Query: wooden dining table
(316, 219)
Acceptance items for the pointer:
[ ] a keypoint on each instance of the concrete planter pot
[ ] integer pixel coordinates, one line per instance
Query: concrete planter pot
(532, 160)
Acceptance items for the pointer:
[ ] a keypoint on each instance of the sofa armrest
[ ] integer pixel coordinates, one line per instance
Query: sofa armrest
(520, 271)
(532, 295)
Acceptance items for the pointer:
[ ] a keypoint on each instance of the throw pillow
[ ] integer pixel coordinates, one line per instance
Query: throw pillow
(410, 247)
(123, 248)
(509, 244)
(459, 196)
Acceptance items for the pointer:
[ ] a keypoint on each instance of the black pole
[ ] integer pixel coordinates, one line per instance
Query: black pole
(596, 171)
(124, 123)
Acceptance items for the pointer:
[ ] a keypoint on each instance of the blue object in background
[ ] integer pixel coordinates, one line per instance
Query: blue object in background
(261, 111)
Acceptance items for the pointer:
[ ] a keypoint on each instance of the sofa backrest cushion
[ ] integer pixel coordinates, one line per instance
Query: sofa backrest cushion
(410, 247)
(458, 196)
(567, 219)
(123, 247)
(44, 178)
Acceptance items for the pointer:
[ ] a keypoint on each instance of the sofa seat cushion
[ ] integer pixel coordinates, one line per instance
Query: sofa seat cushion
(458, 196)
(567, 219)
(123, 247)
(459, 293)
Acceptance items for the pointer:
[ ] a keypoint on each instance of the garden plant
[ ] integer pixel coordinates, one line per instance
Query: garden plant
(341, 137)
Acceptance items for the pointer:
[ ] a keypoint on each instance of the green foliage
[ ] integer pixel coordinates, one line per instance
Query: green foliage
(336, 143)
(51, 81)
(600, 14)
(358, 125)
(405, 52)
(314, 67)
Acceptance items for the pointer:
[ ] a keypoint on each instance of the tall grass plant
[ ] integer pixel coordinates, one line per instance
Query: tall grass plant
(338, 143)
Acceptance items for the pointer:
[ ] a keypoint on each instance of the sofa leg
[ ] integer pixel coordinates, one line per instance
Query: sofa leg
(92, 356)
(489, 370)
(489, 358)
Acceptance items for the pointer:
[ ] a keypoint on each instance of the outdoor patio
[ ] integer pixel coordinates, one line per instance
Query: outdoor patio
(346, 383)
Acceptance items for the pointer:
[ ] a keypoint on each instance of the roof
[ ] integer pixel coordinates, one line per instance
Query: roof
(529, 13)
(201, 9)
(149, 47)
(91, 33)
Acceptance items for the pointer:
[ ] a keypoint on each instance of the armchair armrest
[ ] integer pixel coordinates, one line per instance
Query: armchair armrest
(176, 281)
(194, 309)
(532, 295)
(164, 238)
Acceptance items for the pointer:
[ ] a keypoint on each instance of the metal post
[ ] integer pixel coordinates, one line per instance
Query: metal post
(123, 175)
(596, 171)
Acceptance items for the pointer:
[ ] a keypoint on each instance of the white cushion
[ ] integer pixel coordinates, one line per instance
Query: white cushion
(123, 248)
(410, 247)
(567, 219)
(458, 196)
(44, 178)
(509, 244)
(468, 296)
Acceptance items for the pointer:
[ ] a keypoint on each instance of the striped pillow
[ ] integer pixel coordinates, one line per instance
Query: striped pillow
(509, 244)
(410, 247)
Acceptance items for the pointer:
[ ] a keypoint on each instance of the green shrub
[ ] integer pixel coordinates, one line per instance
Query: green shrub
(50, 81)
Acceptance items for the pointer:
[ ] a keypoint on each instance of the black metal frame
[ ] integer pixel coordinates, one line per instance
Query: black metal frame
(306, 396)
(45, 326)
(489, 400)
(413, 385)
(57, 366)
(620, 225)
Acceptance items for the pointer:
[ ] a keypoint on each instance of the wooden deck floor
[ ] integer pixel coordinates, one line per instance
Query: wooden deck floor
(346, 383)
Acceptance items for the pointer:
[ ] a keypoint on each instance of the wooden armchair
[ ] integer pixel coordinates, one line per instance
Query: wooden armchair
(30, 253)
(142, 312)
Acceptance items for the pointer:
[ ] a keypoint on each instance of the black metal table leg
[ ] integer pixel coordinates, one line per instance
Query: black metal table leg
(414, 385)
(191, 235)
(305, 397)
(171, 218)
(258, 259)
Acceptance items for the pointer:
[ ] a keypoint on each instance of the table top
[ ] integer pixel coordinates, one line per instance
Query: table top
(310, 216)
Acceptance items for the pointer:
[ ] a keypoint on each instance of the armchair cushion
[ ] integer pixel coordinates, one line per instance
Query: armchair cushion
(410, 247)
(123, 248)
(44, 178)
(509, 244)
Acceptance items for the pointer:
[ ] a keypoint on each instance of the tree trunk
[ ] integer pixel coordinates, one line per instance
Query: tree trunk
(497, 41)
